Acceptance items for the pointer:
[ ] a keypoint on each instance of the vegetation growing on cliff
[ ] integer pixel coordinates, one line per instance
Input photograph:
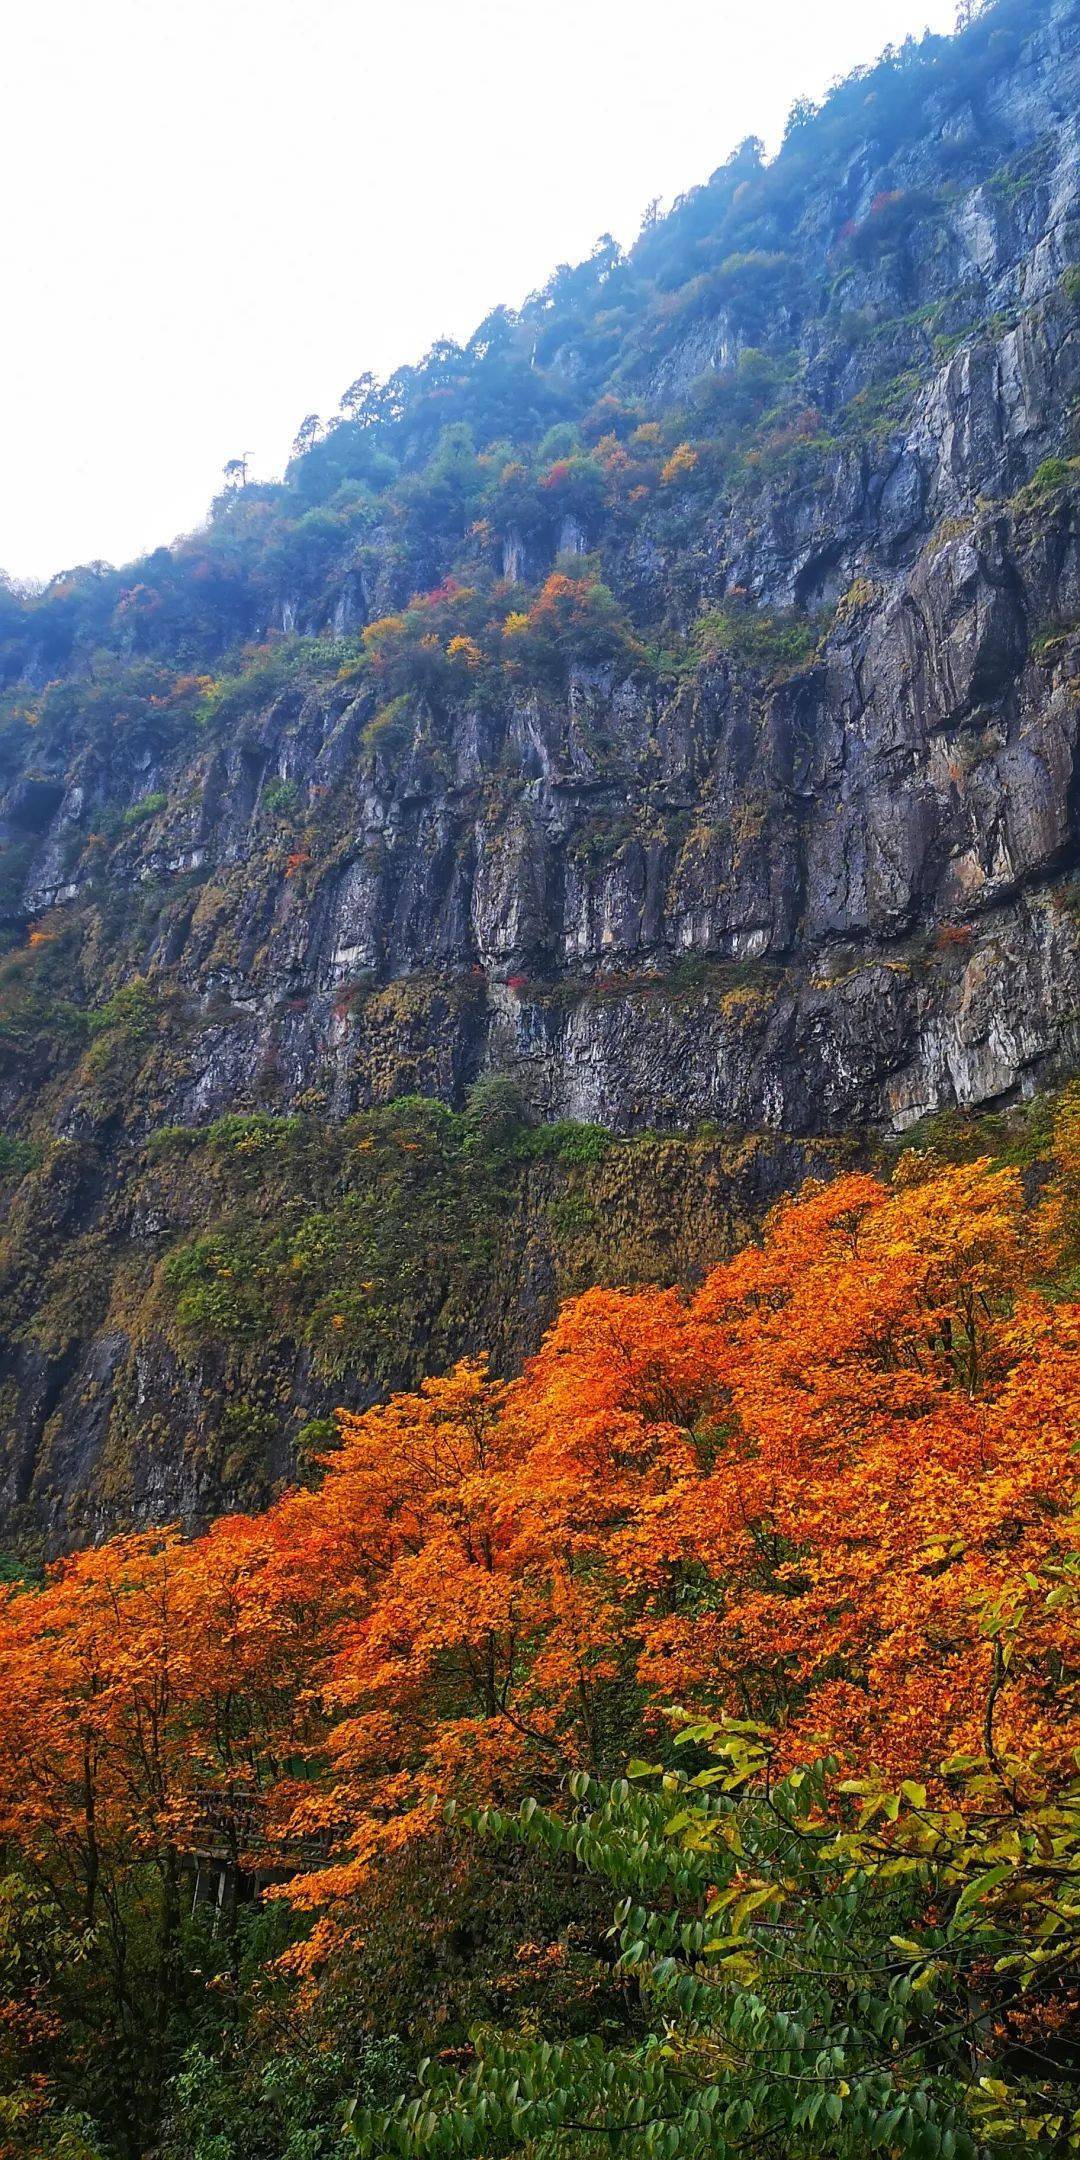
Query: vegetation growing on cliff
(495, 532)
(491, 455)
(251, 1273)
(512, 570)
(663, 1739)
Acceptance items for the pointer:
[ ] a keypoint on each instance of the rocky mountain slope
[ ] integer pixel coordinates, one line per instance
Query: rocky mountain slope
(660, 713)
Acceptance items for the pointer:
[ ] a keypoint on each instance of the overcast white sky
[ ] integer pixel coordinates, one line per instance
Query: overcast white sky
(217, 212)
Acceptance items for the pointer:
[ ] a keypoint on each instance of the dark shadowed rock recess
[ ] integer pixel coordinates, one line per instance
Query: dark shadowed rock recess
(713, 819)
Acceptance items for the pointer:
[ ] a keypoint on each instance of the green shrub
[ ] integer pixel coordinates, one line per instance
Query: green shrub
(799, 1981)
(279, 797)
(124, 1024)
(762, 638)
(131, 1010)
(571, 1215)
(257, 1133)
(18, 1156)
(172, 1139)
(495, 1113)
(235, 2103)
(216, 1294)
(15, 859)
(1052, 638)
(567, 1142)
(882, 406)
(392, 725)
(1048, 480)
(150, 806)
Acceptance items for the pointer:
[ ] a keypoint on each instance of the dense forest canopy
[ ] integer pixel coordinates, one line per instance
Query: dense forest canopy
(828, 1505)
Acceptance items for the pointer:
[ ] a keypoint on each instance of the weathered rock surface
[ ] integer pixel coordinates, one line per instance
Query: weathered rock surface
(805, 900)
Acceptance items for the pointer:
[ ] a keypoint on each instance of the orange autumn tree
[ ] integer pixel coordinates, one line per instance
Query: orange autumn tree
(488, 1646)
(88, 1670)
(421, 1676)
(150, 1715)
(795, 1497)
(899, 1450)
(822, 1491)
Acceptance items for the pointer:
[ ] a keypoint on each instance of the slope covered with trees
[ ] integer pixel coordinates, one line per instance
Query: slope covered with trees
(826, 1507)
(663, 702)
(539, 1222)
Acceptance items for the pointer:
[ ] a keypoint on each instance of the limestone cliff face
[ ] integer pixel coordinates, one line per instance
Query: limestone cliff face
(810, 890)
(803, 843)
(919, 771)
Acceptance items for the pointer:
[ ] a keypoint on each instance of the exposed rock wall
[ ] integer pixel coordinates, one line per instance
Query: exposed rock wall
(869, 860)
(806, 897)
